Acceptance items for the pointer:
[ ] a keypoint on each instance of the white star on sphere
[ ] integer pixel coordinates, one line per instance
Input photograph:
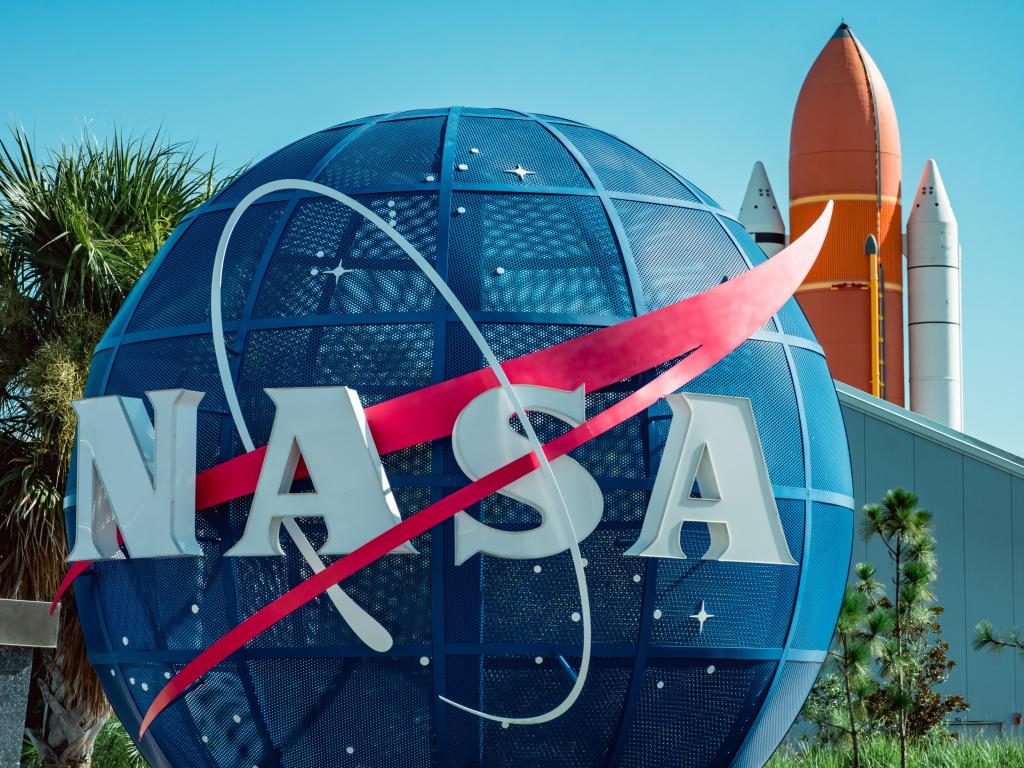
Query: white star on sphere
(701, 616)
(338, 271)
(521, 172)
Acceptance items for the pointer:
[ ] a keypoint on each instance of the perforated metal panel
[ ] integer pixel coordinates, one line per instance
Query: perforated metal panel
(828, 565)
(679, 252)
(315, 296)
(504, 145)
(293, 162)
(387, 153)
(794, 680)
(323, 237)
(695, 715)
(622, 168)
(537, 253)
(830, 464)
(748, 372)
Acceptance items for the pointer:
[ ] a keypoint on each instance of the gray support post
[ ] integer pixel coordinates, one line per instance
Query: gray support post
(24, 625)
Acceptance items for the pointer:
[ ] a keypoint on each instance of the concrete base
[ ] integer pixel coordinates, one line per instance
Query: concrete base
(15, 671)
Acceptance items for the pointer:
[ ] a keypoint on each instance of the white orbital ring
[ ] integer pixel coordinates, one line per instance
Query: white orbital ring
(364, 625)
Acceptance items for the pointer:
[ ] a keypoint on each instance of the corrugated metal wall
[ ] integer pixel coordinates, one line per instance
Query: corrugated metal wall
(976, 495)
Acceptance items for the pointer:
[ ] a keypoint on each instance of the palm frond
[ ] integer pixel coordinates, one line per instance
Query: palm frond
(77, 228)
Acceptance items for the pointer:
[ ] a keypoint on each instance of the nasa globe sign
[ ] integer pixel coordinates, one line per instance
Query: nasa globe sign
(460, 437)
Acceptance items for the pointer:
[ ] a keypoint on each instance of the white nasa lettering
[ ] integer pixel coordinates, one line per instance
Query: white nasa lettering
(713, 441)
(326, 427)
(483, 441)
(140, 477)
(136, 476)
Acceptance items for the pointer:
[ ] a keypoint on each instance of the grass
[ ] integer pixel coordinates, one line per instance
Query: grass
(879, 753)
(114, 749)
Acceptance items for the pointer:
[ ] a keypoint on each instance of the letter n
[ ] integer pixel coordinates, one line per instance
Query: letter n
(136, 476)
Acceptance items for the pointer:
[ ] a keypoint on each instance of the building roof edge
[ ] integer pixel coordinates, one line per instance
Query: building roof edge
(921, 426)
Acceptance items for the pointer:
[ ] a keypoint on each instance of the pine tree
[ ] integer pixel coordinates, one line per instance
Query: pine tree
(837, 704)
(912, 657)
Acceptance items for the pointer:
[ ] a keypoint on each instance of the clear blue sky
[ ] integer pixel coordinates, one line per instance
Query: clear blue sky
(706, 87)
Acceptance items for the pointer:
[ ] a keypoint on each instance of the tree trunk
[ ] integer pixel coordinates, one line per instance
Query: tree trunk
(901, 720)
(853, 728)
(849, 706)
(69, 732)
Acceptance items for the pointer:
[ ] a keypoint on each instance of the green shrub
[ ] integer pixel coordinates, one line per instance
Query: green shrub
(115, 748)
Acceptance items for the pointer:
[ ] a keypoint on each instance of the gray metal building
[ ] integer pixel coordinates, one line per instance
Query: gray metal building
(976, 494)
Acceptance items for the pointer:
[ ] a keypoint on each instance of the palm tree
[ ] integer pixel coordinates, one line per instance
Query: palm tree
(76, 230)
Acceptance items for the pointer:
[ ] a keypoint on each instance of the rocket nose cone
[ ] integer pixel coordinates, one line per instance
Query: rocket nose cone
(843, 30)
(931, 174)
(931, 203)
(760, 210)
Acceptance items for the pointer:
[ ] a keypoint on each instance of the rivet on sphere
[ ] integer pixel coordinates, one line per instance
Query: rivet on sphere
(113, 673)
(584, 561)
(462, 167)
(206, 739)
(575, 616)
(504, 725)
(195, 607)
(319, 254)
(539, 660)
(124, 641)
(145, 686)
(474, 151)
(424, 661)
(236, 718)
(131, 680)
(499, 271)
(391, 203)
(350, 750)
(537, 569)
(167, 675)
(661, 684)
(460, 210)
(711, 669)
(636, 578)
(657, 613)
(430, 177)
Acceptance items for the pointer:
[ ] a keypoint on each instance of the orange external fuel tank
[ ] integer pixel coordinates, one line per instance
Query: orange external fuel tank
(845, 146)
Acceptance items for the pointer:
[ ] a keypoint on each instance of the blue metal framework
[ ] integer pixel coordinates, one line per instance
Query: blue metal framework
(440, 548)
(308, 321)
(808, 522)
(762, 690)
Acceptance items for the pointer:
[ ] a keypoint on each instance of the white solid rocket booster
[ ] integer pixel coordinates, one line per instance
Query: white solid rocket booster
(933, 271)
(760, 215)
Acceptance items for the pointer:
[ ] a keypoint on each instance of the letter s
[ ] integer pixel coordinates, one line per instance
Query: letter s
(483, 441)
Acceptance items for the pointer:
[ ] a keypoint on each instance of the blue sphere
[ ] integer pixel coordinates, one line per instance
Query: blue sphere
(545, 229)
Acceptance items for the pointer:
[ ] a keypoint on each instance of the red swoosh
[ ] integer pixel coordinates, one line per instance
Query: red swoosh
(711, 325)
(596, 360)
